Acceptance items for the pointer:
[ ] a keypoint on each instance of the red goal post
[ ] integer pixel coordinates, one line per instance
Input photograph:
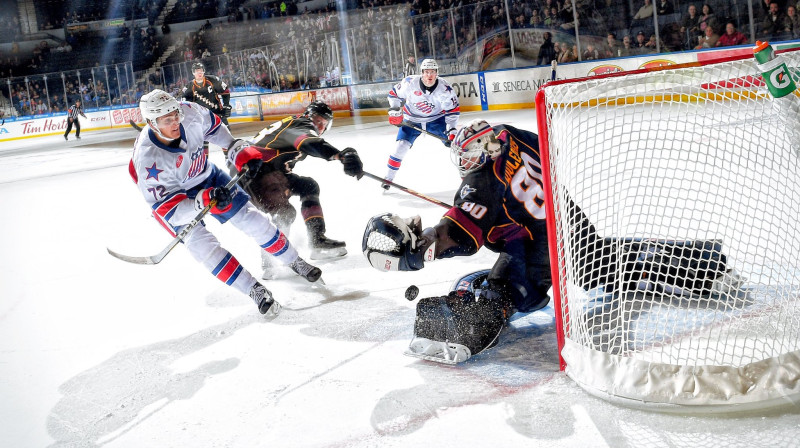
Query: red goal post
(672, 197)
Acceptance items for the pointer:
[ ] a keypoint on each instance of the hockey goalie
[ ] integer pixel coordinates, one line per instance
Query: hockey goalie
(500, 205)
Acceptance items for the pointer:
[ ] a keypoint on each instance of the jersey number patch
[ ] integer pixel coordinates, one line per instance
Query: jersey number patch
(526, 186)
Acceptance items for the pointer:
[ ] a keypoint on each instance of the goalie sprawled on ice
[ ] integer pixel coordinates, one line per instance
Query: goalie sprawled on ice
(500, 205)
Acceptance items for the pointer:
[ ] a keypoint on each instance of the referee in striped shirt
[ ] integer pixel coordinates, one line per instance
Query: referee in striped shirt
(72, 118)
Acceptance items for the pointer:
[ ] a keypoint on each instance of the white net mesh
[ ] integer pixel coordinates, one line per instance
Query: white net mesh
(689, 293)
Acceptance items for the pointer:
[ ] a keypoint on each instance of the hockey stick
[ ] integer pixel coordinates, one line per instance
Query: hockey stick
(135, 126)
(409, 125)
(408, 190)
(155, 259)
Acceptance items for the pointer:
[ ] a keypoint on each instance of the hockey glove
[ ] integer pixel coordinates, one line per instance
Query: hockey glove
(352, 163)
(226, 111)
(242, 153)
(395, 116)
(218, 197)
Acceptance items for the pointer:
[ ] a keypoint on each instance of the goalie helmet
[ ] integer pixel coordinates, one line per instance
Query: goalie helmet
(389, 244)
(473, 146)
(322, 110)
(429, 64)
(156, 104)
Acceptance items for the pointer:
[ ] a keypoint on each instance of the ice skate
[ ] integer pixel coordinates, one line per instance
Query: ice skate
(305, 270)
(262, 297)
(324, 248)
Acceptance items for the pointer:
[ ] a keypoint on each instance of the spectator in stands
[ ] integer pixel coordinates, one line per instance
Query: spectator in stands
(793, 21)
(709, 40)
(707, 19)
(611, 49)
(627, 48)
(774, 26)
(664, 7)
(731, 37)
(591, 53)
(566, 16)
(645, 12)
(652, 44)
(690, 26)
(41, 107)
(640, 43)
(536, 19)
(569, 53)
(547, 50)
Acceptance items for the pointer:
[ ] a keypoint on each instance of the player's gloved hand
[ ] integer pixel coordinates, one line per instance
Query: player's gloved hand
(395, 116)
(451, 136)
(242, 153)
(226, 111)
(352, 163)
(218, 196)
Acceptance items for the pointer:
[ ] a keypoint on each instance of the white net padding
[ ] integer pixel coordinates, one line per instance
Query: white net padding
(679, 284)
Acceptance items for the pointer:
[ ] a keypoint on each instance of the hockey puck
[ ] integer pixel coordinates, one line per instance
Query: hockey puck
(411, 293)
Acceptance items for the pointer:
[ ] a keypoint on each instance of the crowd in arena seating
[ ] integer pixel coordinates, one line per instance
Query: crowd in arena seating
(274, 44)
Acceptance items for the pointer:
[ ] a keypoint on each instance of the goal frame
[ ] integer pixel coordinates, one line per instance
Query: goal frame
(559, 273)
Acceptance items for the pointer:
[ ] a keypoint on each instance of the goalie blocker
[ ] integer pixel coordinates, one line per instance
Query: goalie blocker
(469, 320)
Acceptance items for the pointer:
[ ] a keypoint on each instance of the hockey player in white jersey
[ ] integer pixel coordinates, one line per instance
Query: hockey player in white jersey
(426, 101)
(176, 179)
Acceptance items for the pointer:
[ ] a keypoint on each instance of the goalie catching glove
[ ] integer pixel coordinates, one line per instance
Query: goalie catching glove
(218, 198)
(241, 154)
(392, 243)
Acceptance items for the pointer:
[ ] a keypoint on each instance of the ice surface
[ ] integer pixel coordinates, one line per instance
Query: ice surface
(98, 352)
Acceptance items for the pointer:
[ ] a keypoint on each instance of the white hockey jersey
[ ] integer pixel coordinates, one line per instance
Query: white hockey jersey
(164, 173)
(420, 105)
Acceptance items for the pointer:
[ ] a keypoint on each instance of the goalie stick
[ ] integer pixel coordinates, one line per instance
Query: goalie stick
(155, 259)
(408, 190)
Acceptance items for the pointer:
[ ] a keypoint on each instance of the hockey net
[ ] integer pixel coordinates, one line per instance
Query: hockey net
(675, 194)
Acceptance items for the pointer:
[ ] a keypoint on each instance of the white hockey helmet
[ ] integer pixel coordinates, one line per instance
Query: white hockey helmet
(473, 146)
(429, 64)
(156, 104)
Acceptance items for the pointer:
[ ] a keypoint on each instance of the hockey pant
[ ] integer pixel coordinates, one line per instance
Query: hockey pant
(206, 249)
(70, 123)
(405, 139)
(271, 193)
(522, 272)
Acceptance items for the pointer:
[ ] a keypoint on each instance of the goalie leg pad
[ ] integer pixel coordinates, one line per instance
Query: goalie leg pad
(452, 328)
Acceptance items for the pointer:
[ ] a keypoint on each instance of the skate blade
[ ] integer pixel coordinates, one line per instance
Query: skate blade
(327, 254)
(437, 351)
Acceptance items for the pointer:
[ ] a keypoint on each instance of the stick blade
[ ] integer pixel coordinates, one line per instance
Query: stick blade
(153, 259)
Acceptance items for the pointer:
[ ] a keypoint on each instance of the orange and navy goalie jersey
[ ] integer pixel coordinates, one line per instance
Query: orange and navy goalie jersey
(290, 140)
(501, 201)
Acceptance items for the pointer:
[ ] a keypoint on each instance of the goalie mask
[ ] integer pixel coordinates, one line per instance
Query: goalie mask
(473, 146)
(389, 244)
(157, 104)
